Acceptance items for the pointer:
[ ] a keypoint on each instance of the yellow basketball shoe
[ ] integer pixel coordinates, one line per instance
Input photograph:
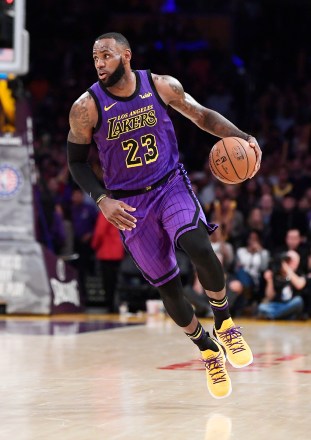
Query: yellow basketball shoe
(237, 350)
(218, 380)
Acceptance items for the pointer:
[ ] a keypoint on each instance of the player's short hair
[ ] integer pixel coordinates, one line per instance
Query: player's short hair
(119, 38)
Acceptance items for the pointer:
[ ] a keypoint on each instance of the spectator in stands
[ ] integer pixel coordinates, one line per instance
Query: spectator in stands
(225, 213)
(265, 187)
(251, 261)
(223, 249)
(215, 194)
(284, 284)
(266, 205)
(286, 217)
(248, 197)
(222, 100)
(294, 242)
(304, 206)
(49, 220)
(207, 188)
(83, 217)
(254, 221)
(283, 186)
(299, 177)
(109, 251)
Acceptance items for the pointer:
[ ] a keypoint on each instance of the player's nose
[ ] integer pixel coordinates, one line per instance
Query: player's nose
(100, 63)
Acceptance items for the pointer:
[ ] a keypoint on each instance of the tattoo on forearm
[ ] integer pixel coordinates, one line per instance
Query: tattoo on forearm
(217, 124)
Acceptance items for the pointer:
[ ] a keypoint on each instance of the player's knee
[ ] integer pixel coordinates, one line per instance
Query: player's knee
(201, 254)
(197, 245)
(199, 251)
(204, 256)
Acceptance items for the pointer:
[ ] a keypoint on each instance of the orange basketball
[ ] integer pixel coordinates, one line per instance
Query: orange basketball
(232, 160)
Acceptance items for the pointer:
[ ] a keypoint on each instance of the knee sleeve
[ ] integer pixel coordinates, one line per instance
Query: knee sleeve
(179, 309)
(197, 245)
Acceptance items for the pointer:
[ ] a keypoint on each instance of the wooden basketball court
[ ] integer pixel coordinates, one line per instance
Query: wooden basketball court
(89, 377)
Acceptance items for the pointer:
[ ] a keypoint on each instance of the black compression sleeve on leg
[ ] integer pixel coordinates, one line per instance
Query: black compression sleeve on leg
(198, 246)
(175, 303)
(82, 173)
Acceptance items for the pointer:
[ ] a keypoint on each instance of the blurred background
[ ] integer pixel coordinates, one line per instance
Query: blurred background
(250, 60)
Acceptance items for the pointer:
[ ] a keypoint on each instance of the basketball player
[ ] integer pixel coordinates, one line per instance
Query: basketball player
(147, 194)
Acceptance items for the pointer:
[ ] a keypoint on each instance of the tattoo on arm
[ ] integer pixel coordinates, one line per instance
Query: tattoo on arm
(181, 101)
(80, 122)
(207, 119)
(177, 88)
(218, 125)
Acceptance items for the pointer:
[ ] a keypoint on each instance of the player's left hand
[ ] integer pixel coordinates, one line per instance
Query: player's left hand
(254, 144)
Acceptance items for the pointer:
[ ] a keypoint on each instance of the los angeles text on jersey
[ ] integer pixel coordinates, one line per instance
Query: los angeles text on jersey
(134, 120)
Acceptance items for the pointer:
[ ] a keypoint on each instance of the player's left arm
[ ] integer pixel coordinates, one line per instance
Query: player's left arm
(172, 93)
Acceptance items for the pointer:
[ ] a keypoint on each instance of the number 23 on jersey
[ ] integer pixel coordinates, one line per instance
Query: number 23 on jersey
(148, 142)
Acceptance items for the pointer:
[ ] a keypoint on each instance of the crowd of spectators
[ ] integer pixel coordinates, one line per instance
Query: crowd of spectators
(258, 79)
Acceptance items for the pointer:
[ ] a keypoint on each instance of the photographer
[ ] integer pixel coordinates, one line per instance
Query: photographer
(294, 242)
(283, 285)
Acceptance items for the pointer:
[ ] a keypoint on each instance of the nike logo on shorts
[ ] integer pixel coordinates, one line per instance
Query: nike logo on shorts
(109, 106)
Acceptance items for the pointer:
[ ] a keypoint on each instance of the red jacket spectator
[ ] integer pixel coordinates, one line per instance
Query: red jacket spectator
(106, 240)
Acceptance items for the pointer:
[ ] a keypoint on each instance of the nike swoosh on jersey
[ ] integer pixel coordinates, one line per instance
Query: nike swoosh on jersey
(109, 106)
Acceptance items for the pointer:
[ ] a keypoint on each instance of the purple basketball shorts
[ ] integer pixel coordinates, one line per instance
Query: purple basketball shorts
(163, 215)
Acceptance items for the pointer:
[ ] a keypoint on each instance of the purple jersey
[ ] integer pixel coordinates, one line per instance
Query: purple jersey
(163, 215)
(135, 137)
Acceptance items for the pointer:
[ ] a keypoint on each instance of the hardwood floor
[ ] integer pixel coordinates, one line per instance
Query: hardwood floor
(87, 377)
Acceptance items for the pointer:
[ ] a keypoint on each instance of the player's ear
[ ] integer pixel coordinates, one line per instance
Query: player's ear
(127, 55)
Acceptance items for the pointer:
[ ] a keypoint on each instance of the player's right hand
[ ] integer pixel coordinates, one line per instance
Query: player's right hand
(115, 213)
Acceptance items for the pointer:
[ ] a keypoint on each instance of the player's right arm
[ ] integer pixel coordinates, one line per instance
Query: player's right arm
(82, 119)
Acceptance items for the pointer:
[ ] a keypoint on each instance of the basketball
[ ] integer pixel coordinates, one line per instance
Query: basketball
(232, 160)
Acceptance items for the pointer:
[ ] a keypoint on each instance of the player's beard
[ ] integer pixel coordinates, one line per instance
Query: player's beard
(115, 76)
